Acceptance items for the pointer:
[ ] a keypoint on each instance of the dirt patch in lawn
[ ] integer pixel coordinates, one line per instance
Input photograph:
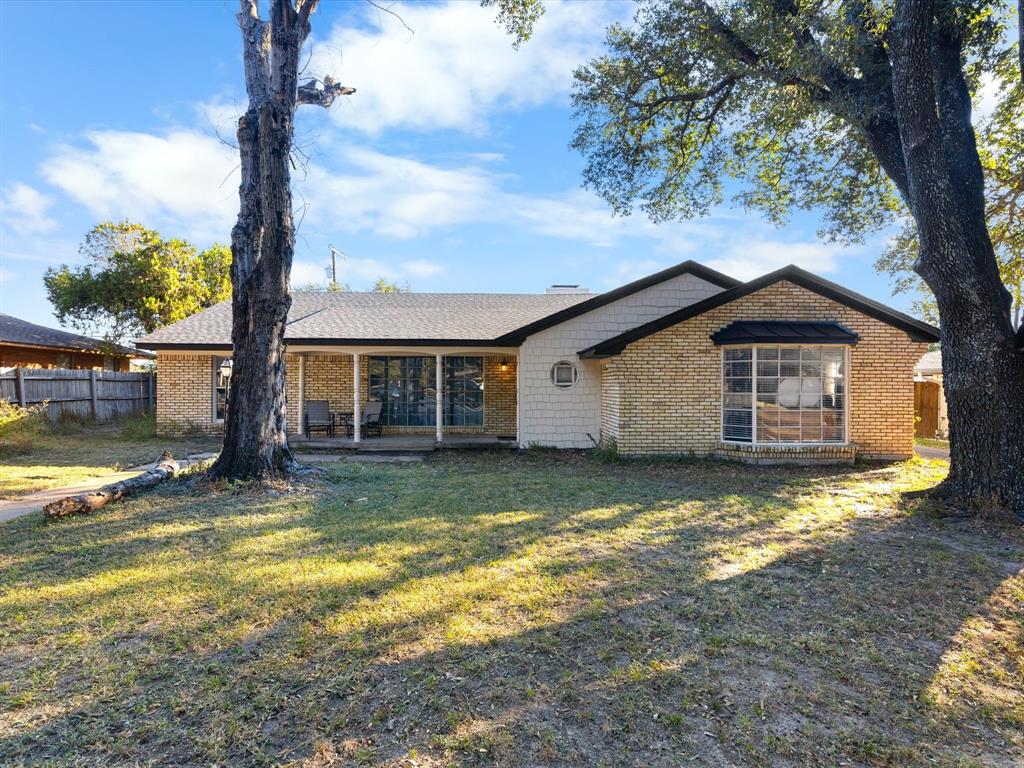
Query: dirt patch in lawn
(519, 610)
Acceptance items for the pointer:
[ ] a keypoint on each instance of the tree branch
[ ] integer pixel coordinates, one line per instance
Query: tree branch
(311, 93)
(744, 53)
(256, 49)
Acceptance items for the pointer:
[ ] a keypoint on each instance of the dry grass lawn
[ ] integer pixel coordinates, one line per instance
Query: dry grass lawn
(518, 610)
(72, 453)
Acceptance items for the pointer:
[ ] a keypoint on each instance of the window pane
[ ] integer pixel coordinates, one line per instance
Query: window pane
(832, 430)
(789, 392)
(810, 393)
(738, 354)
(832, 362)
(736, 400)
(737, 369)
(737, 385)
(766, 367)
(768, 386)
(767, 425)
(767, 353)
(789, 362)
(463, 382)
(737, 425)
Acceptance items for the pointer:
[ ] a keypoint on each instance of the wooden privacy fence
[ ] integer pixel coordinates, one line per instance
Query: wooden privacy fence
(926, 408)
(84, 394)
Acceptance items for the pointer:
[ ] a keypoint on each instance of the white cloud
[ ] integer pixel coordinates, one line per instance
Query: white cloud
(308, 272)
(5, 275)
(23, 209)
(748, 257)
(185, 181)
(421, 268)
(395, 196)
(456, 66)
(183, 178)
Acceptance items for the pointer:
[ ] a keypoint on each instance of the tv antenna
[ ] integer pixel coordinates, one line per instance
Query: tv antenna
(335, 254)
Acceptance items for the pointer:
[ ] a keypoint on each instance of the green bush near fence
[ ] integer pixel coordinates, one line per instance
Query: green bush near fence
(21, 427)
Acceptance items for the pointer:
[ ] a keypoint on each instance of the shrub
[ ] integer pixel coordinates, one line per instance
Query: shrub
(138, 427)
(20, 427)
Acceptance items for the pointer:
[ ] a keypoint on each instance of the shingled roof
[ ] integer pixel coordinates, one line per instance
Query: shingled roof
(355, 318)
(13, 330)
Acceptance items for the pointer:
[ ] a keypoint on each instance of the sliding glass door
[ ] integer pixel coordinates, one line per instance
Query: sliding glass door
(407, 388)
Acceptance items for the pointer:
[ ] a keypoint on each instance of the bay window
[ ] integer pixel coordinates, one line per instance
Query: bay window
(784, 394)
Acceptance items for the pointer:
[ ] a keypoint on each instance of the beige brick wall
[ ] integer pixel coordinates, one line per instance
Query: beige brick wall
(184, 401)
(185, 392)
(670, 382)
(611, 398)
(500, 395)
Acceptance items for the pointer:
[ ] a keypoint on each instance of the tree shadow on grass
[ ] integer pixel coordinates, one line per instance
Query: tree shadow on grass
(563, 613)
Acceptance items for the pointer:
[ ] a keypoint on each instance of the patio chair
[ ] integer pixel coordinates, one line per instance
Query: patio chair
(369, 421)
(318, 417)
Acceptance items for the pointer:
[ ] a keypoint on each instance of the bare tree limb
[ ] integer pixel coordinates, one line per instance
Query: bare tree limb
(311, 93)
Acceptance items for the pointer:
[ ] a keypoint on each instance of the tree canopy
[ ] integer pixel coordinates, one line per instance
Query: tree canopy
(135, 281)
(792, 102)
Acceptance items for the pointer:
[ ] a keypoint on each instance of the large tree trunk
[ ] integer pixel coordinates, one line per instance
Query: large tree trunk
(983, 367)
(263, 239)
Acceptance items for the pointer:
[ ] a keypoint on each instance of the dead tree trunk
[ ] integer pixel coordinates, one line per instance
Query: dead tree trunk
(263, 238)
(983, 363)
(85, 503)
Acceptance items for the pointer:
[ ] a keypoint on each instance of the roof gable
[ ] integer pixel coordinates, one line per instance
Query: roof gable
(602, 299)
(916, 329)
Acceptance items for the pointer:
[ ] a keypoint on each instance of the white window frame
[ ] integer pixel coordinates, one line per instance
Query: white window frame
(753, 395)
(575, 374)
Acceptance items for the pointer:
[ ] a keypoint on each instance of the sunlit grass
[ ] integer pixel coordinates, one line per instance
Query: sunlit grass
(69, 454)
(511, 610)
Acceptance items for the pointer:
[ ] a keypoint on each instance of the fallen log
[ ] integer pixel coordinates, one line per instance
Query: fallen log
(86, 503)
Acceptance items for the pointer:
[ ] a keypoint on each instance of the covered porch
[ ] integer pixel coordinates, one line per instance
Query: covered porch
(401, 443)
(474, 405)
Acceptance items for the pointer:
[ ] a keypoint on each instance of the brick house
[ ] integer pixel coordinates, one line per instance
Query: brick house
(27, 345)
(685, 361)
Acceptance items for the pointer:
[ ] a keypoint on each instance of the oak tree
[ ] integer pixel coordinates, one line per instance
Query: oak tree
(857, 108)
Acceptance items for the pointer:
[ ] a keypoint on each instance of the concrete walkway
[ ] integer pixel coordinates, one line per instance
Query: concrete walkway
(35, 501)
(929, 452)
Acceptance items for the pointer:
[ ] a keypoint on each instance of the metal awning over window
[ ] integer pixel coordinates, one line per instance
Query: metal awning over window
(779, 332)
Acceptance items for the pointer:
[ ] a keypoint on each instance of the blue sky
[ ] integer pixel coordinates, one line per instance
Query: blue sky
(449, 169)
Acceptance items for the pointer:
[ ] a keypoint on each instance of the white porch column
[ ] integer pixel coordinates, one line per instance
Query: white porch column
(439, 395)
(301, 428)
(356, 405)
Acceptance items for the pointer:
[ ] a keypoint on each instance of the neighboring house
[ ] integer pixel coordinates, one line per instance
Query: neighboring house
(685, 361)
(27, 345)
(930, 401)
